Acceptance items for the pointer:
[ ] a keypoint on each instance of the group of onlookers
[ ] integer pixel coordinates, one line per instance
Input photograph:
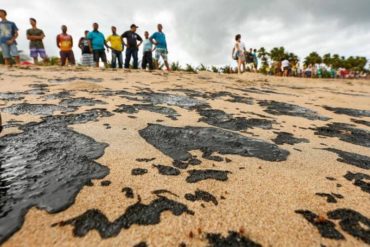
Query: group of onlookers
(93, 45)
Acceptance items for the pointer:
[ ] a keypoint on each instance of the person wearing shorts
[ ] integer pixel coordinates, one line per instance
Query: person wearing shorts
(65, 44)
(8, 36)
(159, 40)
(87, 58)
(98, 44)
(35, 36)
(239, 51)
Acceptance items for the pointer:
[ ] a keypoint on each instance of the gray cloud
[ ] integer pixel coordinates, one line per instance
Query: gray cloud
(202, 31)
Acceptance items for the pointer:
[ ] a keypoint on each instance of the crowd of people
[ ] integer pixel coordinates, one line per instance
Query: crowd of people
(93, 46)
(248, 61)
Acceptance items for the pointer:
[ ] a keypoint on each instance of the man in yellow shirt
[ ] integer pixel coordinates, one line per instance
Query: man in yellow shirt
(117, 46)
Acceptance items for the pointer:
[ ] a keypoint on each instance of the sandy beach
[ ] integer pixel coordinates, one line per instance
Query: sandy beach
(92, 157)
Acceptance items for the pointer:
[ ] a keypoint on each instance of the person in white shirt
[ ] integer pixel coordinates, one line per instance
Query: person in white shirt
(285, 67)
(239, 53)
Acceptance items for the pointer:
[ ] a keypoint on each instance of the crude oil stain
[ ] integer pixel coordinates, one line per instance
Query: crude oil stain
(357, 160)
(167, 170)
(201, 195)
(199, 175)
(359, 180)
(233, 239)
(178, 142)
(288, 138)
(137, 214)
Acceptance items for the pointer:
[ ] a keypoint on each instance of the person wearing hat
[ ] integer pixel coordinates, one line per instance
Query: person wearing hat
(132, 44)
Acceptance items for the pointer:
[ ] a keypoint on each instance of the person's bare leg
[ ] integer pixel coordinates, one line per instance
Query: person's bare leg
(97, 64)
(17, 60)
(35, 61)
(239, 67)
(167, 65)
(6, 61)
(244, 67)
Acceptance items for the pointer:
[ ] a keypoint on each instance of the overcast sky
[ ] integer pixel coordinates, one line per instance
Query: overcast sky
(202, 31)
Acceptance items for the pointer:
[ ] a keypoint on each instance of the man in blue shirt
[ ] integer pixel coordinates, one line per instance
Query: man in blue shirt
(159, 40)
(98, 44)
(8, 36)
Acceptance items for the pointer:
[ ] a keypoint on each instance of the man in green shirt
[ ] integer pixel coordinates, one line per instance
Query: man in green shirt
(35, 36)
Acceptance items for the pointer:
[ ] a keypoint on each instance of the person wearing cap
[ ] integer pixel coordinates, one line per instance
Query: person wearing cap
(159, 40)
(8, 36)
(132, 46)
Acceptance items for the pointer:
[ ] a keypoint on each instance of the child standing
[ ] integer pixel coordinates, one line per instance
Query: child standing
(147, 53)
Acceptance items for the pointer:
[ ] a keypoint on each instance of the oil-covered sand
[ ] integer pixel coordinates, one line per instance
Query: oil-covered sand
(127, 158)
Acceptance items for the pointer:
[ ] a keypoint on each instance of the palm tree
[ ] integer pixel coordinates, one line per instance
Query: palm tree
(278, 54)
(313, 58)
(263, 55)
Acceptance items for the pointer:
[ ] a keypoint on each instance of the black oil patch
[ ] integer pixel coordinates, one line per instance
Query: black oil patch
(357, 160)
(11, 96)
(353, 223)
(325, 227)
(45, 166)
(146, 160)
(163, 191)
(71, 79)
(59, 95)
(131, 109)
(362, 122)
(201, 195)
(196, 176)
(178, 142)
(288, 138)
(34, 109)
(223, 120)
(138, 172)
(82, 101)
(348, 111)
(280, 108)
(137, 214)
(184, 165)
(346, 133)
(359, 180)
(330, 198)
(170, 99)
(233, 239)
(105, 183)
(167, 170)
(129, 193)
(141, 244)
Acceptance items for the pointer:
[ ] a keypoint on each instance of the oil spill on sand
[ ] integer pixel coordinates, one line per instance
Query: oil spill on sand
(131, 109)
(196, 176)
(233, 239)
(178, 142)
(138, 214)
(45, 166)
(288, 138)
(201, 195)
(359, 180)
(346, 133)
(348, 112)
(350, 221)
(34, 109)
(353, 159)
(280, 108)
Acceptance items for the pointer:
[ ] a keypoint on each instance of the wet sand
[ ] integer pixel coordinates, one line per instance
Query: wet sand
(125, 158)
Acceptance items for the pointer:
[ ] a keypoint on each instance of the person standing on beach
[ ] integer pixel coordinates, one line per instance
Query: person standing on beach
(98, 45)
(8, 36)
(255, 59)
(148, 52)
(116, 45)
(87, 53)
(35, 36)
(239, 51)
(285, 67)
(159, 40)
(132, 46)
(65, 44)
